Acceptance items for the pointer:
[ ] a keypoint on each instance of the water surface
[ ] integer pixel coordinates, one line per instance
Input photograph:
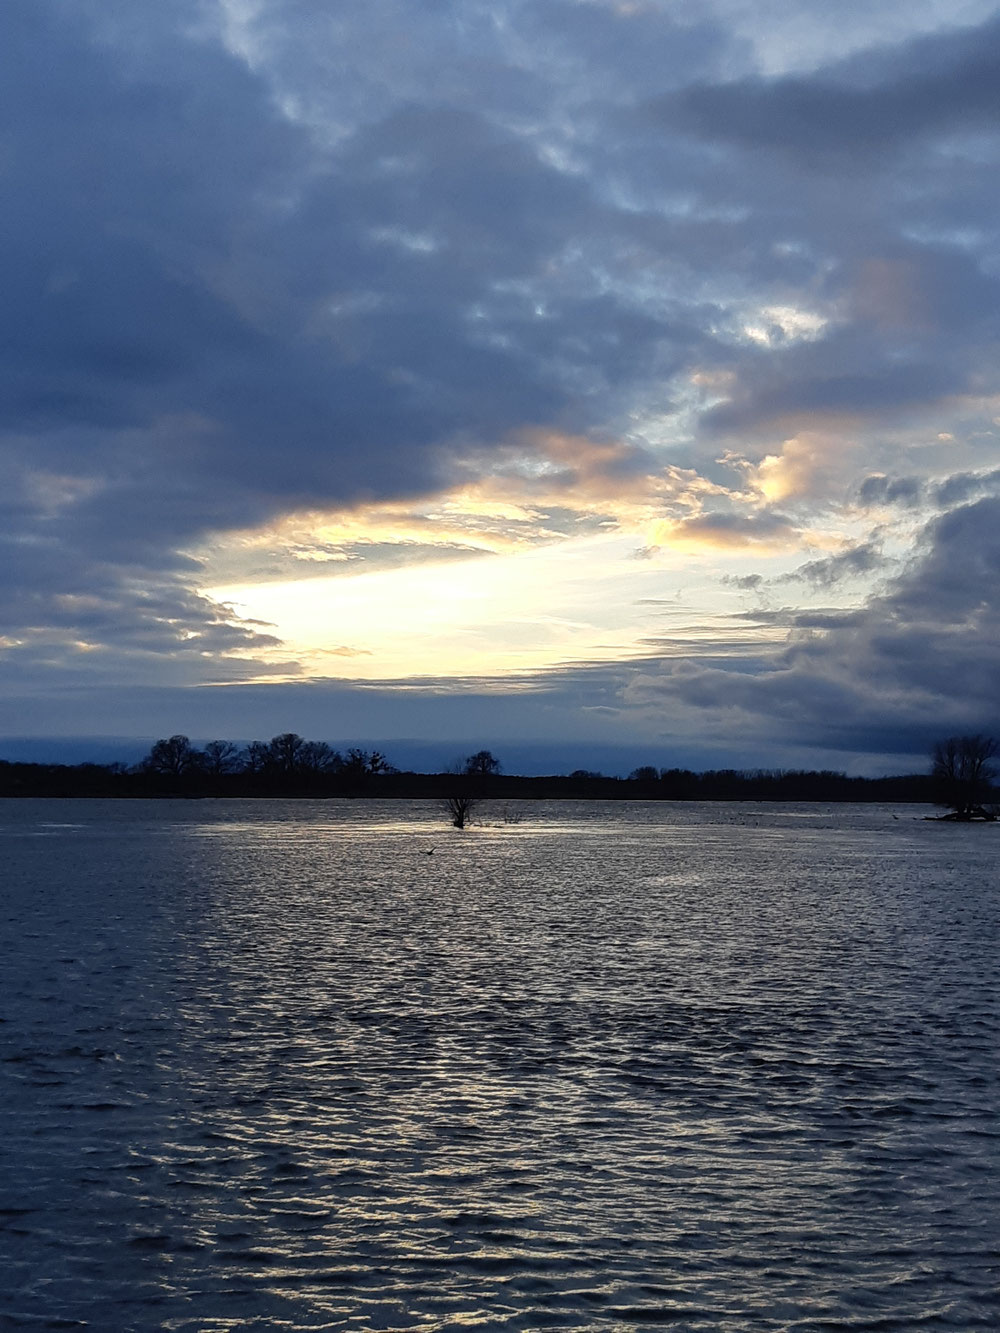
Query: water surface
(307, 1065)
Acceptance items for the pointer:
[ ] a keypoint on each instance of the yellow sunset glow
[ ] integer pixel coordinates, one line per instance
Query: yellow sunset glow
(577, 601)
(501, 613)
(570, 551)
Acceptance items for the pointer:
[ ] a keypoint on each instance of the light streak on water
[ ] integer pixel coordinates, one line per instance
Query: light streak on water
(307, 1065)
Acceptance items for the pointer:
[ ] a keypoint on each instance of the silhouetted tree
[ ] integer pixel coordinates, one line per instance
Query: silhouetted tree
(470, 782)
(256, 757)
(175, 756)
(647, 773)
(460, 808)
(364, 763)
(678, 784)
(482, 764)
(359, 767)
(222, 757)
(316, 758)
(377, 763)
(284, 753)
(963, 775)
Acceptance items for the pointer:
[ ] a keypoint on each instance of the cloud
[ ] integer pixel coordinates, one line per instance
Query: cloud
(767, 529)
(536, 488)
(910, 492)
(918, 659)
(854, 562)
(878, 489)
(745, 582)
(873, 105)
(225, 307)
(291, 288)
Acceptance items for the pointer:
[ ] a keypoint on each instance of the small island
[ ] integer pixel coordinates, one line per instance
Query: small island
(963, 777)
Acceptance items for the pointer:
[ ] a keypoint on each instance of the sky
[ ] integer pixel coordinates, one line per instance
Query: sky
(605, 376)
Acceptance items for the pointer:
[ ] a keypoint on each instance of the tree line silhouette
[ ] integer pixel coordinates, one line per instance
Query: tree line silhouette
(290, 765)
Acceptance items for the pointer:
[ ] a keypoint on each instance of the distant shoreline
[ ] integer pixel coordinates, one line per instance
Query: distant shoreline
(114, 781)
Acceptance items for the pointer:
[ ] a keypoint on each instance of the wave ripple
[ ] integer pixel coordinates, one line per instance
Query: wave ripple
(269, 1065)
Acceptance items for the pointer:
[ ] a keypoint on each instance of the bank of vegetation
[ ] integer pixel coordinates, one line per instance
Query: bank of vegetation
(291, 766)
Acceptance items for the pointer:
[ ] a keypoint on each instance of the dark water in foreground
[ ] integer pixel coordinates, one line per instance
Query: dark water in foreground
(274, 1066)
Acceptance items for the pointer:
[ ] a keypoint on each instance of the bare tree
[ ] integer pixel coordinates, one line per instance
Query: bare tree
(963, 775)
(366, 763)
(460, 808)
(221, 757)
(359, 767)
(174, 756)
(471, 776)
(482, 764)
(285, 753)
(316, 758)
(467, 786)
(257, 757)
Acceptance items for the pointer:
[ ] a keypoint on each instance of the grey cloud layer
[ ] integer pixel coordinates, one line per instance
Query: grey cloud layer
(875, 104)
(311, 255)
(918, 660)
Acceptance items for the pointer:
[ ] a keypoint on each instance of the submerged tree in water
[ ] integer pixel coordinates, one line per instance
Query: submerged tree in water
(460, 808)
(963, 775)
(473, 782)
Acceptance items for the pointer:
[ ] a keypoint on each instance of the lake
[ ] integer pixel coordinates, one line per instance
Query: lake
(334, 1065)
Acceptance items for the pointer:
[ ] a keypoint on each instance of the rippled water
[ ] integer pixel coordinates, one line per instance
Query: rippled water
(303, 1065)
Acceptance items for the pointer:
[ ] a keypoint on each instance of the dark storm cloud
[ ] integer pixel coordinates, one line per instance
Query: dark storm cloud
(119, 190)
(870, 104)
(215, 313)
(182, 262)
(921, 658)
(208, 321)
(865, 558)
(908, 492)
(295, 323)
(962, 487)
(834, 187)
(912, 322)
(912, 492)
(804, 396)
